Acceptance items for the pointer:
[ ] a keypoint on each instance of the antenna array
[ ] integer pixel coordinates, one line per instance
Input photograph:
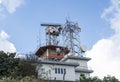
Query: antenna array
(52, 32)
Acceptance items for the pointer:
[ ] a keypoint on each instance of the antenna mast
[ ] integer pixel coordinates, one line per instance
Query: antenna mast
(71, 32)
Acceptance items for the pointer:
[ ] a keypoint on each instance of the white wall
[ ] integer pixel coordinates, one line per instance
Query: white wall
(82, 63)
(50, 70)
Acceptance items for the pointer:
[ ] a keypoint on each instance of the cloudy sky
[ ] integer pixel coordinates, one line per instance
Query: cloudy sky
(106, 50)
(99, 19)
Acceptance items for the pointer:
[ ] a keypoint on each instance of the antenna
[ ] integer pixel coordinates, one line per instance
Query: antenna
(71, 32)
(38, 39)
(83, 48)
(52, 32)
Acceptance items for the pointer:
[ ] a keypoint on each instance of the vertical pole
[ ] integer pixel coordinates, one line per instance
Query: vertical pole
(48, 37)
(64, 76)
(47, 53)
(71, 40)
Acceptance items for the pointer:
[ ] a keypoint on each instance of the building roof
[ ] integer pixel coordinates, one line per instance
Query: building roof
(58, 63)
(76, 57)
(42, 49)
(83, 70)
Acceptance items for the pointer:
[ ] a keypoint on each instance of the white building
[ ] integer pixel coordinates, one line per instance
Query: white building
(53, 70)
(56, 65)
(82, 68)
(68, 68)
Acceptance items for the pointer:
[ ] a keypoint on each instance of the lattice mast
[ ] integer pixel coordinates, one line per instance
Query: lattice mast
(71, 31)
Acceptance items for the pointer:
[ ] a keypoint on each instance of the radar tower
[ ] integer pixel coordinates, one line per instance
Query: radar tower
(52, 32)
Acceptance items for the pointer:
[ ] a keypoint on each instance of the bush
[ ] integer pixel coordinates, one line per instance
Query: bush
(26, 68)
(14, 67)
(25, 79)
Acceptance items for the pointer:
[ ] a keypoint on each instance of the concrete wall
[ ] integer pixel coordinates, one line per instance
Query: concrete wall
(48, 72)
(82, 63)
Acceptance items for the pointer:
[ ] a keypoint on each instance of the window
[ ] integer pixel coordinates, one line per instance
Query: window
(56, 70)
(61, 70)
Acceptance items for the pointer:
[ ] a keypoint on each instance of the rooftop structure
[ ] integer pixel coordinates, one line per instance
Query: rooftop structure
(50, 52)
(52, 32)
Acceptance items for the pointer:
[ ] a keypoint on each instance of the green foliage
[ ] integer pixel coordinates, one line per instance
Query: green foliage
(110, 79)
(7, 64)
(96, 79)
(24, 79)
(13, 67)
(26, 68)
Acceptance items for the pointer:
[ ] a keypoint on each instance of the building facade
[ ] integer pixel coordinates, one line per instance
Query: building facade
(68, 69)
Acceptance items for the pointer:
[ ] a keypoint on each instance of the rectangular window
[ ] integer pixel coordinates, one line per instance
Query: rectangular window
(56, 70)
(61, 70)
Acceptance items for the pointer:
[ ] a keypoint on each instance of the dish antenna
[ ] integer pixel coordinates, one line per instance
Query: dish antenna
(58, 51)
(83, 48)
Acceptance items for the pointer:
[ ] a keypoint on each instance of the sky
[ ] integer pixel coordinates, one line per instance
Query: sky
(99, 20)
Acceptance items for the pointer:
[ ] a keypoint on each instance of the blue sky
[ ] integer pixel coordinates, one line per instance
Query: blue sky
(23, 25)
(99, 19)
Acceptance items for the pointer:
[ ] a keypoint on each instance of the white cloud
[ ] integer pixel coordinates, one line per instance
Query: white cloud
(6, 45)
(10, 6)
(105, 53)
(0, 1)
(4, 35)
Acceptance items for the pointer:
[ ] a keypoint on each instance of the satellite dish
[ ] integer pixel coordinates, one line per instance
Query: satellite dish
(58, 51)
(83, 48)
(78, 26)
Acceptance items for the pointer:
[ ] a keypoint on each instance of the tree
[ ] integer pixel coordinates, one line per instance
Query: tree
(14, 67)
(7, 63)
(26, 68)
(109, 78)
(31, 57)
